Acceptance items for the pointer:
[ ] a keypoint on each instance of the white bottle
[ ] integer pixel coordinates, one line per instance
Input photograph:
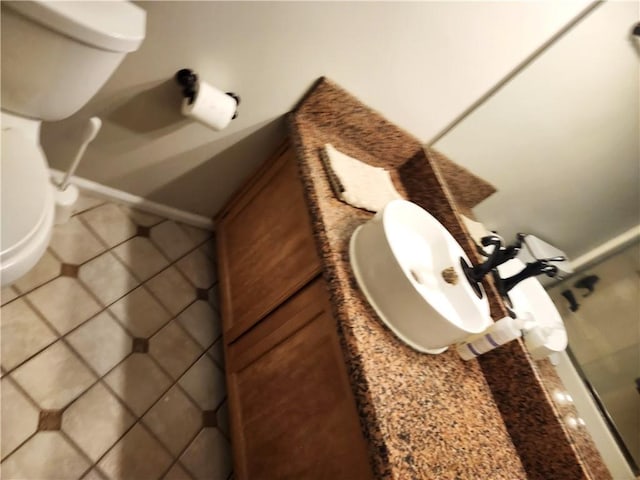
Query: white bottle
(502, 331)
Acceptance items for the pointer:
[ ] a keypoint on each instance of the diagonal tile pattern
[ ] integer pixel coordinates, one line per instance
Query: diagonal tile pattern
(138, 455)
(202, 322)
(109, 419)
(174, 349)
(110, 223)
(64, 302)
(198, 268)
(107, 278)
(172, 289)
(74, 243)
(19, 418)
(102, 342)
(209, 444)
(7, 294)
(47, 268)
(112, 363)
(45, 455)
(204, 382)
(94, 474)
(138, 381)
(140, 313)
(172, 240)
(177, 472)
(174, 419)
(22, 334)
(142, 258)
(198, 235)
(54, 377)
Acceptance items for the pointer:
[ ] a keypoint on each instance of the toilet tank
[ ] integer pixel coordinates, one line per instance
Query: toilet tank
(57, 55)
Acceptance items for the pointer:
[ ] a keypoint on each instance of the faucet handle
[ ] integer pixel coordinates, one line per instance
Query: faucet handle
(559, 258)
(549, 270)
(493, 239)
(519, 239)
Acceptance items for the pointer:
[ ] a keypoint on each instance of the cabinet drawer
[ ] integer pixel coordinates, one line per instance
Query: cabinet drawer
(293, 415)
(266, 246)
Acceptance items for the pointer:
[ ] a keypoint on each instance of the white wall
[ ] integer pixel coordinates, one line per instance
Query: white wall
(420, 64)
(561, 142)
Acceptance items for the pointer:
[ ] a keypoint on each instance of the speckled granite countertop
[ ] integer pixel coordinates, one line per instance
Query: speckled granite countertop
(424, 416)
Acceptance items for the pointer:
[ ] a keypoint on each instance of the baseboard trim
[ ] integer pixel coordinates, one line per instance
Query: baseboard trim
(607, 249)
(108, 193)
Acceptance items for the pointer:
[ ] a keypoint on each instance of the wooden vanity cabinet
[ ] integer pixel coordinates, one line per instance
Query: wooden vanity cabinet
(292, 410)
(291, 407)
(266, 248)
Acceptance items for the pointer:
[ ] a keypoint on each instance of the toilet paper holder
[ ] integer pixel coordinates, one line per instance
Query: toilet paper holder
(188, 80)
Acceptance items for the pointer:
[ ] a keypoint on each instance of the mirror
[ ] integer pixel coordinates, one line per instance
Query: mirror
(561, 143)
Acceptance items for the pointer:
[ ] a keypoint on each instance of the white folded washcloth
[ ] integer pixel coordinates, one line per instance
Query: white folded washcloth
(357, 183)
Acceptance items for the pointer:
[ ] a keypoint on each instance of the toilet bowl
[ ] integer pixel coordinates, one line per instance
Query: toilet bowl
(26, 198)
(55, 58)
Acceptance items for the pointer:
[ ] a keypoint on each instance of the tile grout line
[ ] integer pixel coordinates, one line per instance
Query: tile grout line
(102, 202)
(176, 459)
(182, 465)
(95, 235)
(61, 336)
(96, 469)
(71, 402)
(136, 417)
(99, 237)
(27, 292)
(30, 400)
(100, 378)
(77, 448)
(48, 324)
(176, 382)
(102, 310)
(139, 418)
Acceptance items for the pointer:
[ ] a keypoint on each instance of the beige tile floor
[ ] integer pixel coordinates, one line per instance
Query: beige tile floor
(111, 361)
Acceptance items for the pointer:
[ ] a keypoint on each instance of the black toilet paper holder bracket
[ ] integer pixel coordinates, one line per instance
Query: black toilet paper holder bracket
(188, 80)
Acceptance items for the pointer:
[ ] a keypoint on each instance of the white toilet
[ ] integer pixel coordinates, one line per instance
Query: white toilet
(55, 56)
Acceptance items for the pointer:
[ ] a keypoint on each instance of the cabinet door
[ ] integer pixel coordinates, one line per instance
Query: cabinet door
(292, 411)
(266, 246)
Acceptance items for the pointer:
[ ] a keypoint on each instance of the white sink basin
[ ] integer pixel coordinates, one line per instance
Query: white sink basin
(529, 298)
(398, 259)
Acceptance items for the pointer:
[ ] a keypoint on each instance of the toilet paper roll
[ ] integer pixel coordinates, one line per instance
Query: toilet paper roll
(210, 106)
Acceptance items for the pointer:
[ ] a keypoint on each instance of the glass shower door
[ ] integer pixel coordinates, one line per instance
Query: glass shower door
(604, 339)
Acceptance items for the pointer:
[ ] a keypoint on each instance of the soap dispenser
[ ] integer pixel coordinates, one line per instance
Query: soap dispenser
(502, 331)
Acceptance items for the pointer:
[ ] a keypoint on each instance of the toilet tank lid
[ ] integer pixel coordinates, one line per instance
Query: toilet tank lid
(116, 25)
